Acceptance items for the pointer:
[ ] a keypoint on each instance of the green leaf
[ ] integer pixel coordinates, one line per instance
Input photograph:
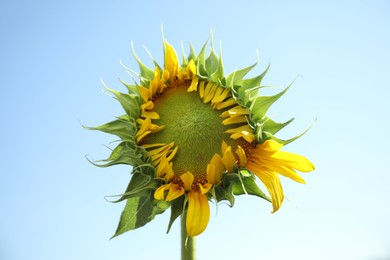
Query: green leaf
(177, 207)
(261, 104)
(138, 212)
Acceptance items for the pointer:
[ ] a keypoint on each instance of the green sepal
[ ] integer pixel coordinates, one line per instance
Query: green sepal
(249, 89)
(192, 55)
(272, 127)
(146, 73)
(248, 185)
(128, 101)
(253, 83)
(261, 104)
(138, 212)
(132, 89)
(201, 63)
(212, 63)
(177, 208)
(223, 193)
(140, 185)
(124, 127)
(236, 77)
(125, 153)
(267, 135)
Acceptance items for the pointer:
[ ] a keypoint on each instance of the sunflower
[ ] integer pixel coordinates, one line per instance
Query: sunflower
(193, 135)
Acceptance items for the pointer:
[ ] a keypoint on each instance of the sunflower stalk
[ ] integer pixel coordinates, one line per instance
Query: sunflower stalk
(188, 244)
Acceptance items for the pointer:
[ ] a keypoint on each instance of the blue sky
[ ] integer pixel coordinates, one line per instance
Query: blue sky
(53, 55)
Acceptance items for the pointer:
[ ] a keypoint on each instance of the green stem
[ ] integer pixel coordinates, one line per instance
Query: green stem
(188, 244)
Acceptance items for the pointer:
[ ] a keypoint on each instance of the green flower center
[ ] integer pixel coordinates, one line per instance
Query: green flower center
(195, 127)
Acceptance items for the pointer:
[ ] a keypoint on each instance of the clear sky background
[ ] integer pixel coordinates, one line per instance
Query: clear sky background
(53, 55)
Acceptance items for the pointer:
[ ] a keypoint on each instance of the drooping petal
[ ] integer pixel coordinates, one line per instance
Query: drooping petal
(272, 183)
(198, 213)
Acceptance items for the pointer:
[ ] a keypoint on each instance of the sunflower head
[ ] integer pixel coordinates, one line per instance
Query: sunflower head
(191, 135)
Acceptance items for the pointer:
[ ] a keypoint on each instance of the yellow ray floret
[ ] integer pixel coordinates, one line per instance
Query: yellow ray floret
(171, 63)
(267, 161)
(244, 131)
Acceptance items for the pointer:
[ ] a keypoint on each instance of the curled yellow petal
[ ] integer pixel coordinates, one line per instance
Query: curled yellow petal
(174, 192)
(272, 183)
(205, 187)
(187, 179)
(198, 213)
(241, 155)
(159, 194)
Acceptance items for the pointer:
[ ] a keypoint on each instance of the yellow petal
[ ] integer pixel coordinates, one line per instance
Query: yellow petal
(171, 61)
(229, 102)
(175, 191)
(201, 89)
(272, 183)
(198, 213)
(210, 94)
(194, 85)
(147, 106)
(228, 159)
(187, 178)
(243, 131)
(295, 161)
(162, 167)
(215, 169)
(191, 68)
(150, 114)
(160, 191)
(205, 187)
(241, 155)
(234, 120)
(145, 93)
(221, 97)
(271, 146)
